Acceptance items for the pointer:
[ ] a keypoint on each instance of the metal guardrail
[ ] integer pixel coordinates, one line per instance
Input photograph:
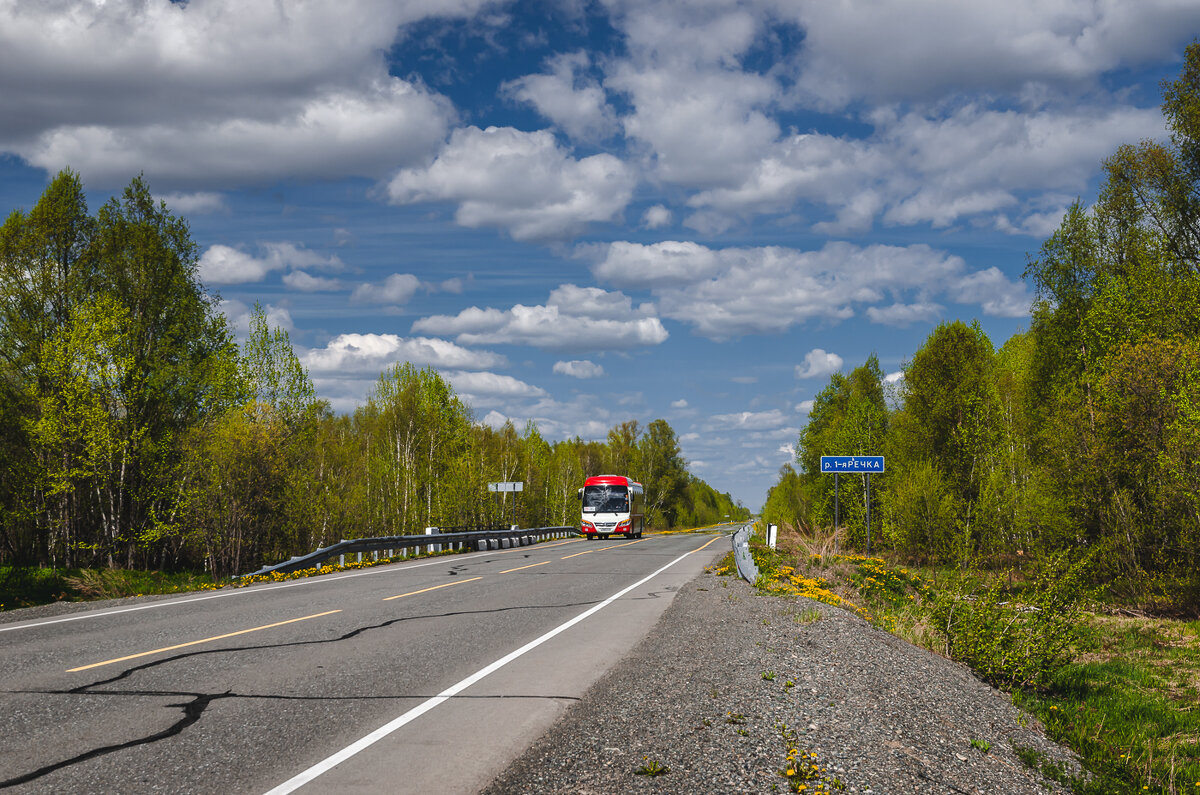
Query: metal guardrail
(481, 540)
(747, 570)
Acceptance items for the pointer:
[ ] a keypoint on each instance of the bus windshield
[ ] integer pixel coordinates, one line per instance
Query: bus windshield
(606, 499)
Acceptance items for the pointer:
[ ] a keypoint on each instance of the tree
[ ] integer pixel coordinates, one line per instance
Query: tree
(663, 473)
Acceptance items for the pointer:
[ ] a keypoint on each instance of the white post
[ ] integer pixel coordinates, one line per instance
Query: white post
(772, 534)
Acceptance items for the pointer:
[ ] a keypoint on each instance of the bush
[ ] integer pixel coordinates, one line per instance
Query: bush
(1012, 644)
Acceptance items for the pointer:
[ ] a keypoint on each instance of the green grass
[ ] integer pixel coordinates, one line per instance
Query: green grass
(1129, 707)
(29, 586)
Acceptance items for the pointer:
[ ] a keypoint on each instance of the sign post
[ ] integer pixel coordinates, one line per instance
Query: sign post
(505, 488)
(855, 464)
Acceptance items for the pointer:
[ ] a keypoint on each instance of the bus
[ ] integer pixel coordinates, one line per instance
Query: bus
(612, 505)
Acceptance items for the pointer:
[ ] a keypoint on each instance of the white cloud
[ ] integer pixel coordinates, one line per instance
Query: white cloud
(670, 262)
(224, 265)
(213, 92)
(221, 264)
(395, 289)
(818, 364)
(656, 217)
(920, 169)
(804, 406)
(894, 378)
(926, 49)
(725, 293)
(995, 293)
(472, 385)
(373, 353)
(903, 315)
(749, 421)
(573, 319)
(568, 97)
(520, 181)
(201, 203)
(679, 404)
(306, 283)
(577, 368)
(362, 132)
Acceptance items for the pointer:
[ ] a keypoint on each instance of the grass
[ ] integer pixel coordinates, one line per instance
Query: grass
(29, 586)
(1125, 695)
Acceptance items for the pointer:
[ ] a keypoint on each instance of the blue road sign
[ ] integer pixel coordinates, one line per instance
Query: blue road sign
(847, 464)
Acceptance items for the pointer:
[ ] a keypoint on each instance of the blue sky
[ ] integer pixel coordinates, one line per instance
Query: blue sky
(588, 212)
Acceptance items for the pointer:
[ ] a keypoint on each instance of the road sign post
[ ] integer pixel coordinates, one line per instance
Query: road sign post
(505, 488)
(864, 465)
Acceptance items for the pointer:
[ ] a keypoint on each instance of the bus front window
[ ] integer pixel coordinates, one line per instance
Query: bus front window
(606, 499)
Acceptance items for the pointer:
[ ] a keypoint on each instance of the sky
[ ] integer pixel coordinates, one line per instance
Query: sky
(583, 213)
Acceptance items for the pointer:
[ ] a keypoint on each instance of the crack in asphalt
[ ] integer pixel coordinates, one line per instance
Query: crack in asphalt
(199, 702)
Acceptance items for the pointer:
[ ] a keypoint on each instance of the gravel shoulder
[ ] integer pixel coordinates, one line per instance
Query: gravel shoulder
(881, 715)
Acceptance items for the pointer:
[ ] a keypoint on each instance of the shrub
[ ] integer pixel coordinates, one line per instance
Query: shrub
(1010, 644)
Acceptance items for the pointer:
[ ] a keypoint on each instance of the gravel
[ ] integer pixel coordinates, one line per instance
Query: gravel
(708, 696)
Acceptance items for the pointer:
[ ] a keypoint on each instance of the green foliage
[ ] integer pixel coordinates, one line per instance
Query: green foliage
(1015, 644)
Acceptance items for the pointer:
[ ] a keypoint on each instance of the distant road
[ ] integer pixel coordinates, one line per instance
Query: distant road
(422, 677)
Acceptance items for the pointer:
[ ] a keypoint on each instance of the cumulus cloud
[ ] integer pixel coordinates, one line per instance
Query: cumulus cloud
(923, 50)
(919, 169)
(656, 217)
(579, 368)
(395, 289)
(476, 384)
(818, 364)
(307, 283)
(725, 293)
(523, 182)
(670, 262)
(213, 92)
(373, 353)
(573, 319)
(200, 203)
(903, 315)
(749, 421)
(992, 291)
(567, 96)
(221, 264)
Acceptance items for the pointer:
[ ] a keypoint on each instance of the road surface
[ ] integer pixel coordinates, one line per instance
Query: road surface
(427, 676)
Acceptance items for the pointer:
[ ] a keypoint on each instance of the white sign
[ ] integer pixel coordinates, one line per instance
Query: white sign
(517, 486)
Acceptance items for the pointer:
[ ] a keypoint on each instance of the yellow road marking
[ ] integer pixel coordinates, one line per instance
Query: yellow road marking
(714, 538)
(434, 588)
(530, 566)
(614, 546)
(628, 543)
(204, 640)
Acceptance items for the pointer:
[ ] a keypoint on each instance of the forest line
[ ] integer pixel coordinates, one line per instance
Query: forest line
(1080, 436)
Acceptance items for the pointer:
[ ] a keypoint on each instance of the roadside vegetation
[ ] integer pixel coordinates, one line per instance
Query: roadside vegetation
(1121, 689)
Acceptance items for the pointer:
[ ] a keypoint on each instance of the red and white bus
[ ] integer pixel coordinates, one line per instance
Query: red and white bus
(612, 505)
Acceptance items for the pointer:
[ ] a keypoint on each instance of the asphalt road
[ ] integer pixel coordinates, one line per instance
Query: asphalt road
(428, 676)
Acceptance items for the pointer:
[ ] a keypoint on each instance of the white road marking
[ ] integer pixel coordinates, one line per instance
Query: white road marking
(324, 766)
(245, 592)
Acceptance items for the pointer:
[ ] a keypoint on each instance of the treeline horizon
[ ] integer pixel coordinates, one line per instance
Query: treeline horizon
(136, 432)
(1079, 437)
